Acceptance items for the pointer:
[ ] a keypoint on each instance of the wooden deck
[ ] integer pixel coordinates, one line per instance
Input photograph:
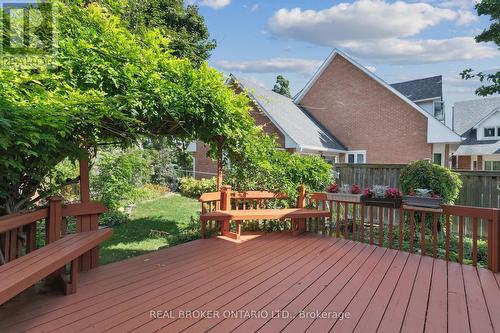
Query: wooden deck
(286, 281)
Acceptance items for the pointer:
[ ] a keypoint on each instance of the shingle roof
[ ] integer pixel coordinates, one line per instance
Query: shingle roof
(298, 125)
(417, 90)
(467, 114)
(492, 147)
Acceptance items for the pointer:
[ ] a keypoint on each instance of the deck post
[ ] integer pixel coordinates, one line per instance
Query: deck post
(494, 242)
(53, 226)
(299, 225)
(225, 204)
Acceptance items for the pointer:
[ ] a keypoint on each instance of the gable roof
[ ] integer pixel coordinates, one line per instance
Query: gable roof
(437, 132)
(293, 122)
(467, 114)
(421, 89)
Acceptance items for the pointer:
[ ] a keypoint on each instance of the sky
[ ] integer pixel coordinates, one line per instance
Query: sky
(397, 40)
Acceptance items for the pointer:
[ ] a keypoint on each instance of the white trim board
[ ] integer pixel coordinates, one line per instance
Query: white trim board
(437, 132)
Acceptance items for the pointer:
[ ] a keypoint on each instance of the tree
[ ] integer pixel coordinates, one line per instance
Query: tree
(492, 34)
(282, 86)
(184, 26)
(106, 84)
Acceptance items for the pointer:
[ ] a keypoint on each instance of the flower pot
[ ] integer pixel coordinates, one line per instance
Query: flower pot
(344, 197)
(382, 202)
(422, 201)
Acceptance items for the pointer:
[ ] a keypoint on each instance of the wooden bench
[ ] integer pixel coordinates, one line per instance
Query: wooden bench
(223, 212)
(22, 273)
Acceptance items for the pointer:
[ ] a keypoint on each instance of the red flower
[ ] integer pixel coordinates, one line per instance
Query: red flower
(368, 192)
(333, 188)
(355, 189)
(393, 193)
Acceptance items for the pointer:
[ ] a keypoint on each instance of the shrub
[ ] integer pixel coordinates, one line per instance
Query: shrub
(263, 167)
(194, 188)
(112, 218)
(441, 181)
(117, 174)
(147, 192)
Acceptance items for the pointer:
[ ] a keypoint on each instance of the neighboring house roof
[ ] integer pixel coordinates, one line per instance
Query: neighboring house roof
(468, 114)
(489, 147)
(293, 122)
(437, 132)
(421, 89)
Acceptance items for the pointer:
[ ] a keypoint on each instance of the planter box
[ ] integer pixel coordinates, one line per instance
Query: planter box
(422, 201)
(382, 202)
(344, 197)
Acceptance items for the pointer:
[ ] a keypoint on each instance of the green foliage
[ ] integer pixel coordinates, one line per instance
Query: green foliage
(263, 167)
(117, 176)
(166, 161)
(146, 192)
(106, 84)
(193, 188)
(491, 34)
(282, 86)
(183, 25)
(113, 218)
(442, 181)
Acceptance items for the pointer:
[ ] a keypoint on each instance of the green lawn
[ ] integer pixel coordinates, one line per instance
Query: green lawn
(133, 238)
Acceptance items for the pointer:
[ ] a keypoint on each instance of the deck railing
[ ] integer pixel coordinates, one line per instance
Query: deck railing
(428, 232)
(23, 233)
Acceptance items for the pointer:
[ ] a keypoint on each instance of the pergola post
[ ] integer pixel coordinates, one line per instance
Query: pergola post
(85, 223)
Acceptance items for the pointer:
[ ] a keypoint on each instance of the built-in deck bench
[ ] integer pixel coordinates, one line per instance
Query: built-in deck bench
(227, 206)
(22, 273)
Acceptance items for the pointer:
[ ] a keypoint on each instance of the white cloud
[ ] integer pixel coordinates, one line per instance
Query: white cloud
(361, 20)
(466, 17)
(272, 65)
(402, 51)
(216, 4)
(383, 31)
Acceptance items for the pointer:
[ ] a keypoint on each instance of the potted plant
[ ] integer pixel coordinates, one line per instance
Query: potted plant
(422, 197)
(346, 193)
(382, 196)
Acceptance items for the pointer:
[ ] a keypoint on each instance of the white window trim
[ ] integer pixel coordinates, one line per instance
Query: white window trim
(355, 152)
(495, 132)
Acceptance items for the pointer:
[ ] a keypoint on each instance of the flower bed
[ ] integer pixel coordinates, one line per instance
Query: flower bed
(345, 193)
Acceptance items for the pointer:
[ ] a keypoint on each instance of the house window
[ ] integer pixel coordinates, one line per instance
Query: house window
(492, 165)
(498, 131)
(438, 158)
(439, 110)
(489, 132)
(356, 157)
(474, 165)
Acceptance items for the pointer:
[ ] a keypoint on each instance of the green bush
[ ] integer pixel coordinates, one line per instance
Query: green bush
(193, 188)
(113, 218)
(442, 181)
(147, 192)
(117, 174)
(264, 167)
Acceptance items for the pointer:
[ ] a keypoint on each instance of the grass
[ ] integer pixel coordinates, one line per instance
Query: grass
(169, 214)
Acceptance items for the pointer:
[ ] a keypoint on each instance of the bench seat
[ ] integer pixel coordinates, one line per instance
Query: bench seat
(22, 273)
(263, 214)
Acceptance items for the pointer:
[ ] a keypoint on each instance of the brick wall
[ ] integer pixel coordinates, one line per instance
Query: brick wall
(464, 162)
(364, 115)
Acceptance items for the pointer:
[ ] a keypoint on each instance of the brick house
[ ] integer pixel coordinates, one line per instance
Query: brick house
(347, 114)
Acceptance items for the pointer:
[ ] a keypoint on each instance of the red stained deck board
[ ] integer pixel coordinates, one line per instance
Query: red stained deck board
(384, 290)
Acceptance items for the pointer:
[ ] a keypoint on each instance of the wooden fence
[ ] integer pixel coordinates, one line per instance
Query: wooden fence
(480, 188)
